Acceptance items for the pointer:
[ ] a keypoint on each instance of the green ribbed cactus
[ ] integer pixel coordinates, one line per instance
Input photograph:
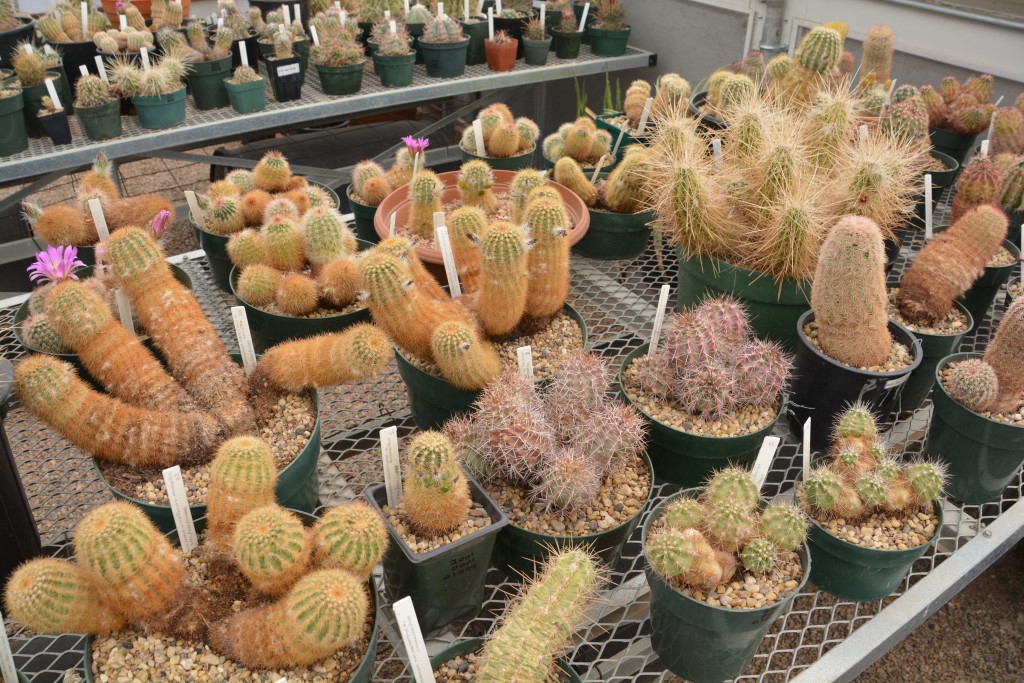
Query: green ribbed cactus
(424, 200)
(257, 285)
(242, 478)
(871, 489)
(435, 490)
(684, 554)
(466, 360)
(224, 215)
(272, 173)
(503, 284)
(731, 524)
(733, 485)
(363, 176)
(973, 383)
(784, 525)
(475, 182)
(285, 244)
(38, 333)
(820, 50)
(553, 147)
(684, 513)
(523, 183)
(326, 235)
(1011, 198)
(736, 91)
(856, 422)
(465, 227)
(529, 133)
(778, 66)
(979, 183)
(47, 595)
(926, 479)
(248, 248)
(879, 45)
(272, 548)
(548, 259)
(352, 537)
(907, 121)
(823, 489)
(1004, 354)
(759, 556)
(541, 622)
(850, 300)
(52, 30)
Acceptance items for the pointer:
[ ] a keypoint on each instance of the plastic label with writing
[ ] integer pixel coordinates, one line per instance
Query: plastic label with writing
(179, 507)
(288, 70)
(415, 648)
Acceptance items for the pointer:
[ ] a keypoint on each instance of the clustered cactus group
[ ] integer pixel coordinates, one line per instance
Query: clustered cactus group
(442, 29)
(962, 108)
(993, 384)
(165, 77)
(582, 141)
(8, 18)
(131, 40)
(371, 183)
(996, 181)
(504, 135)
(622, 192)
(93, 91)
(559, 443)
(31, 65)
(861, 479)
(338, 45)
(709, 365)
(68, 27)
(701, 542)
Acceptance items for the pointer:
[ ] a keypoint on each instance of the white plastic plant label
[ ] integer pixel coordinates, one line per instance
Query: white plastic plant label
(100, 69)
(7, 670)
(393, 26)
(597, 170)
(99, 219)
(412, 637)
(281, 680)
(179, 507)
(287, 12)
(807, 449)
(84, 6)
(391, 225)
(440, 9)
(123, 22)
(478, 129)
(405, 6)
(289, 69)
(716, 149)
(47, 50)
(450, 269)
(888, 95)
(220, 23)
(52, 91)
(543, 15)
(497, 7)
(659, 320)
(298, 12)
(144, 53)
(583, 18)
(618, 142)
(124, 309)
(193, 202)
(242, 333)
(387, 15)
(416, 169)
(313, 32)
(465, 10)
(525, 356)
(83, 69)
(927, 206)
(392, 466)
(763, 463)
(984, 149)
(646, 114)
(490, 34)
(244, 53)
(863, 132)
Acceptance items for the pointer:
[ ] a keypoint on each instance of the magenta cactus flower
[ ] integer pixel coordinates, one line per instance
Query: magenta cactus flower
(55, 265)
(158, 226)
(416, 145)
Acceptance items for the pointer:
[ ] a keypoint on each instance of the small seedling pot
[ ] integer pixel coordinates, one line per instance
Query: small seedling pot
(57, 127)
(567, 43)
(501, 56)
(615, 236)
(604, 121)
(953, 144)
(476, 29)
(535, 52)
(285, 78)
(13, 136)
(608, 43)
(207, 83)
(514, 163)
(33, 101)
(707, 121)
(102, 122)
(363, 215)
(247, 98)
(10, 38)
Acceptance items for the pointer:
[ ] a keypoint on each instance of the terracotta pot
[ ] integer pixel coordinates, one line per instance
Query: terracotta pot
(501, 56)
(398, 203)
(110, 7)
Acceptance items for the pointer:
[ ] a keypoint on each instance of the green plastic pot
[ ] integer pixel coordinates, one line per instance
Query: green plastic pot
(516, 163)
(247, 98)
(701, 642)
(934, 347)
(477, 30)
(608, 43)
(982, 455)
(445, 60)
(521, 552)
(688, 459)
(854, 572)
(446, 584)
(773, 309)
(362, 672)
(433, 401)
(471, 645)
(567, 43)
(340, 80)
(162, 111)
(395, 71)
(13, 135)
(604, 121)
(614, 236)
(207, 83)
(33, 101)
(952, 144)
(269, 329)
(363, 215)
(102, 122)
(535, 52)
(978, 299)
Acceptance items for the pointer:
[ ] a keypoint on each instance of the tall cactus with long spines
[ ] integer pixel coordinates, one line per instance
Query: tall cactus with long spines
(540, 624)
(466, 360)
(503, 290)
(1004, 354)
(352, 537)
(466, 226)
(948, 265)
(242, 478)
(52, 596)
(435, 490)
(272, 548)
(548, 259)
(850, 299)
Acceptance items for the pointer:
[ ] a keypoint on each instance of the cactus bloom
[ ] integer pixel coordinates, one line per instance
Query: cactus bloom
(55, 264)
(416, 145)
(158, 226)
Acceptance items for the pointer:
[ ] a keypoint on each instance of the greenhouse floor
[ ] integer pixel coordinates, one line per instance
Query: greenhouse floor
(978, 628)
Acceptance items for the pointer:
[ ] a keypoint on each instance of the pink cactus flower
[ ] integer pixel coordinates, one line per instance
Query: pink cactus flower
(55, 264)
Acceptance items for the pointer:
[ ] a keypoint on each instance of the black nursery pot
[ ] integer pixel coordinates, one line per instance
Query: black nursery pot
(515, 28)
(57, 127)
(285, 78)
(822, 387)
(707, 121)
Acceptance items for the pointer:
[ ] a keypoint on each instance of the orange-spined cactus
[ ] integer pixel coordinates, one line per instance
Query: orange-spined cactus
(979, 184)
(272, 548)
(466, 226)
(424, 201)
(352, 537)
(548, 261)
(60, 224)
(1004, 354)
(401, 248)
(339, 282)
(466, 360)
(242, 478)
(503, 285)
(48, 595)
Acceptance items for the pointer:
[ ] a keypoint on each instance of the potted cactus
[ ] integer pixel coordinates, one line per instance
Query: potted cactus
(582, 141)
(501, 51)
(722, 564)
(1011, 196)
(444, 48)
(976, 427)
(210, 64)
(609, 33)
(475, 27)
(149, 589)
(625, 124)
(618, 221)
(98, 108)
(509, 142)
(394, 59)
(158, 93)
(31, 71)
(71, 39)
(55, 121)
(567, 36)
(284, 67)
(958, 113)
(536, 44)
(15, 28)
(849, 348)
(247, 90)
(443, 520)
(127, 43)
(13, 136)
(416, 21)
(709, 393)
(338, 58)
(371, 184)
(926, 300)
(871, 516)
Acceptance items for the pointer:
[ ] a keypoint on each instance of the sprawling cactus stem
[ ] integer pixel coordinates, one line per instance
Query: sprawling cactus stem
(539, 625)
(47, 595)
(788, 241)
(973, 383)
(850, 301)
(242, 478)
(402, 249)
(424, 200)
(466, 226)
(475, 182)
(352, 537)
(170, 313)
(322, 613)
(548, 259)
(272, 548)
(624, 189)
(60, 224)
(569, 173)
(879, 45)
(466, 360)
(108, 428)
(980, 183)
(1004, 354)
(503, 285)
(435, 490)
(948, 265)
(111, 354)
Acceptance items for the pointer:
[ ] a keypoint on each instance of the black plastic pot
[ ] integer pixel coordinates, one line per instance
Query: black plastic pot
(515, 163)
(471, 645)
(265, 6)
(445, 60)
(822, 387)
(395, 71)
(982, 455)
(614, 236)
(74, 55)
(416, 32)
(603, 121)
(707, 121)
(476, 29)
(952, 144)
(446, 584)
(934, 347)
(1008, 301)
(566, 43)
(102, 122)
(340, 80)
(577, 9)
(252, 51)
(688, 459)
(535, 52)
(607, 43)
(10, 39)
(247, 98)
(363, 215)
(522, 552)
(773, 309)
(701, 642)
(285, 78)
(978, 299)
(13, 136)
(940, 181)
(57, 127)
(162, 111)
(514, 28)
(207, 83)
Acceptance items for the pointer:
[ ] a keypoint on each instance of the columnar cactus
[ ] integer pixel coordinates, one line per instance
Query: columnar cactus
(503, 278)
(548, 259)
(568, 173)
(979, 183)
(242, 478)
(850, 301)
(736, 91)
(435, 490)
(522, 185)
(1011, 197)
(424, 200)
(272, 548)
(466, 225)
(634, 101)
(466, 360)
(52, 596)
(934, 105)
(973, 383)
(879, 45)
(1003, 354)
(476, 181)
(351, 537)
